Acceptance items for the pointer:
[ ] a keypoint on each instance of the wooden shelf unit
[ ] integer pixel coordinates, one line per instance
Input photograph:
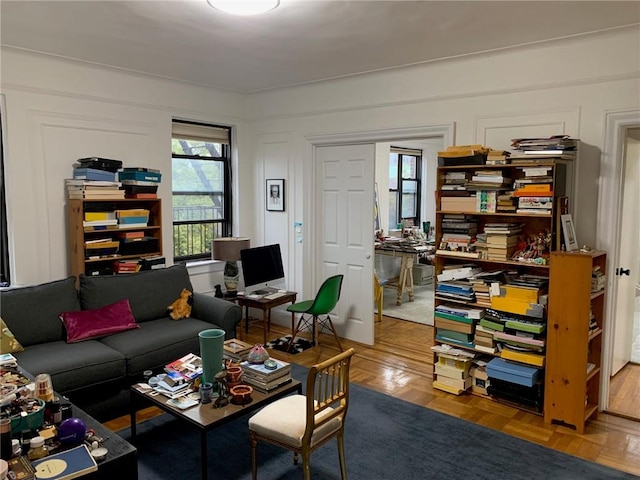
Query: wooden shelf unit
(77, 235)
(561, 171)
(571, 392)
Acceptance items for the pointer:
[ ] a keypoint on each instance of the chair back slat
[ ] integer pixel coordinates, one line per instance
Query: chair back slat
(328, 391)
(327, 296)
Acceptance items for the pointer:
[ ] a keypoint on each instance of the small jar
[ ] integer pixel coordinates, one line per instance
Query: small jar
(16, 449)
(37, 450)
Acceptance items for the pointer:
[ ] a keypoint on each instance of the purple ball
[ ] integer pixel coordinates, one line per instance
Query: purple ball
(72, 430)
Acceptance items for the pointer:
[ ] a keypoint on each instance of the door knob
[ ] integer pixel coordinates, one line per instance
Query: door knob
(367, 256)
(622, 271)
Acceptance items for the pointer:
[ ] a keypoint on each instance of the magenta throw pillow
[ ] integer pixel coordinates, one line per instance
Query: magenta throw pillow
(89, 324)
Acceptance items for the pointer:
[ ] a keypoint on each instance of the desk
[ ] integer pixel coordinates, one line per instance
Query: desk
(264, 304)
(404, 282)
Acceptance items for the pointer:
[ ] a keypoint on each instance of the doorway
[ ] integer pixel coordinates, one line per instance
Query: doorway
(388, 166)
(618, 207)
(314, 255)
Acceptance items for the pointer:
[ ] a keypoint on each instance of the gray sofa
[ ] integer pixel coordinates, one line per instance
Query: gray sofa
(96, 374)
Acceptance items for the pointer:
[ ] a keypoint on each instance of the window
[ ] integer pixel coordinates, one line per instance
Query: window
(201, 184)
(5, 273)
(404, 187)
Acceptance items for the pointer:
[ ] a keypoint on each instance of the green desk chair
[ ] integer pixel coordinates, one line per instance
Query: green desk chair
(325, 301)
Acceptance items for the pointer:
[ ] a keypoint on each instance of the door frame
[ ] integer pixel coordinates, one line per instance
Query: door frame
(609, 213)
(313, 141)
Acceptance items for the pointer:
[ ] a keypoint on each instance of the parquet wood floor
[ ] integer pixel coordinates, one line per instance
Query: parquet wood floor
(400, 364)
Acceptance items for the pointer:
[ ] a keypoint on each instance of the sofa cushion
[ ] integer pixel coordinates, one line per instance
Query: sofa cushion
(87, 324)
(157, 343)
(32, 312)
(149, 293)
(73, 366)
(8, 341)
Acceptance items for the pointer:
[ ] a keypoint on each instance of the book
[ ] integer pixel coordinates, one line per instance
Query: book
(266, 387)
(66, 465)
(188, 367)
(182, 402)
(21, 468)
(260, 372)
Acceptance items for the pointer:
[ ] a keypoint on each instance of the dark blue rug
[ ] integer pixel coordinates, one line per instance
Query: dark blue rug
(386, 438)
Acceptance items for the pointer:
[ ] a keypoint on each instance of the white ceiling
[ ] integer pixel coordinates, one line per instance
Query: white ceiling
(302, 41)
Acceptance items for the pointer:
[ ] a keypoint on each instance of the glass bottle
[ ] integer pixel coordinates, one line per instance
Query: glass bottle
(37, 450)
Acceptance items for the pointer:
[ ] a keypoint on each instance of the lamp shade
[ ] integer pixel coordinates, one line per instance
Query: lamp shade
(228, 248)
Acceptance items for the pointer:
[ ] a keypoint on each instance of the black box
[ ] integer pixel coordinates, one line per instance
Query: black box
(477, 159)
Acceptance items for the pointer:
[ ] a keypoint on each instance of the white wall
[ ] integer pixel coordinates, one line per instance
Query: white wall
(561, 87)
(58, 111)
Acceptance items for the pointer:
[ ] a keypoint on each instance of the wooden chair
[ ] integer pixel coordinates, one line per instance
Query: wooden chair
(302, 423)
(378, 295)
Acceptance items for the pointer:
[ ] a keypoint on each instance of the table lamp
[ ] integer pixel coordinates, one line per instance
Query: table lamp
(228, 249)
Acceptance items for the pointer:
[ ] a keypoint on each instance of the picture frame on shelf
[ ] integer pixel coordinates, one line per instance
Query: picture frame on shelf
(275, 195)
(569, 233)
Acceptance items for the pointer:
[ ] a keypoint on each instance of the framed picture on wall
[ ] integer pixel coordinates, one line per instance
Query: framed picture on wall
(275, 195)
(569, 233)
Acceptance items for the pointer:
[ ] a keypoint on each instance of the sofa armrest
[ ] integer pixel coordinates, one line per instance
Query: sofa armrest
(226, 315)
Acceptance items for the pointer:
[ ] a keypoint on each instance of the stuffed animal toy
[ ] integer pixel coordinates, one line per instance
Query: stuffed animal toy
(181, 307)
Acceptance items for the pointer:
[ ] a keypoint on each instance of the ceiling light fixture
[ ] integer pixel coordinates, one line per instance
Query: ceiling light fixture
(244, 7)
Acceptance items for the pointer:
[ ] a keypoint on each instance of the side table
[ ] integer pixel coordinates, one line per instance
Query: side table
(265, 304)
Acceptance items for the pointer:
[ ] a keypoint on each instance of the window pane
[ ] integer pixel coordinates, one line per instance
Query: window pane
(409, 198)
(393, 209)
(194, 239)
(189, 175)
(195, 147)
(409, 163)
(393, 171)
(198, 207)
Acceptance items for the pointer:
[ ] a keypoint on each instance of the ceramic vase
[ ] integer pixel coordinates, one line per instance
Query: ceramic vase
(257, 354)
(211, 348)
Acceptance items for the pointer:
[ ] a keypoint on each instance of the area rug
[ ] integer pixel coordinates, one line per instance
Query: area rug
(385, 438)
(420, 310)
(282, 344)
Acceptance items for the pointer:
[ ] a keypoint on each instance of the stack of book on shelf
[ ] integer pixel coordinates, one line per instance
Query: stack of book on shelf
(456, 324)
(454, 184)
(88, 173)
(457, 290)
(506, 202)
(140, 182)
(189, 367)
(517, 383)
(458, 272)
(502, 240)
(463, 155)
(100, 247)
(488, 180)
(236, 350)
(498, 157)
(481, 283)
(263, 379)
(131, 265)
(93, 189)
(452, 367)
(132, 218)
(479, 376)
(544, 150)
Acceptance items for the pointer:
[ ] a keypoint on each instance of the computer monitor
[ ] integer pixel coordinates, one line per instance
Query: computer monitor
(262, 269)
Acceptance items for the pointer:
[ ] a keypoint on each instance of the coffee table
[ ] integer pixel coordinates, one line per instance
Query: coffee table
(205, 417)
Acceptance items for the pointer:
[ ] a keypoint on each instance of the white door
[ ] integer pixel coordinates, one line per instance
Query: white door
(344, 233)
(628, 276)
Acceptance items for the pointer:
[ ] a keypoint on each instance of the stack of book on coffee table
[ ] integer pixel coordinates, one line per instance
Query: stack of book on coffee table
(236, 350)
(263, 379)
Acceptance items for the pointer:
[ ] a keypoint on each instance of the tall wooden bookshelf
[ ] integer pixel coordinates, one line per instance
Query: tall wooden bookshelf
(574, 338)
(78, 235)
(560, 170)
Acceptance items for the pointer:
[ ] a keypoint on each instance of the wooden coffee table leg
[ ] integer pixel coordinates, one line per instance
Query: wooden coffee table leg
(203, 455)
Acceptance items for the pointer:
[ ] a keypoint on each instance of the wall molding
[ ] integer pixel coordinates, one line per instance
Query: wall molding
(527, 88)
